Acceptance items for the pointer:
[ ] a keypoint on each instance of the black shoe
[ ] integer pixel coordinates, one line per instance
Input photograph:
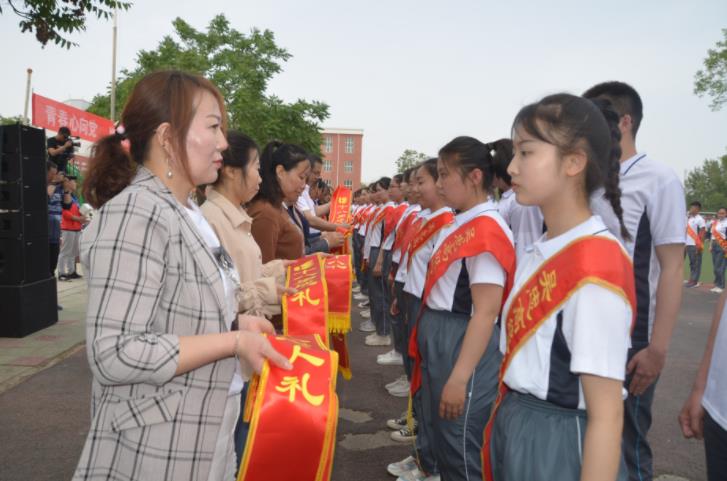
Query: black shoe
(64, 278)
(75, 275)
(60, 308)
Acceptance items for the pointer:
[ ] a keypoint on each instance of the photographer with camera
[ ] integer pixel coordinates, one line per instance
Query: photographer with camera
(60, 148)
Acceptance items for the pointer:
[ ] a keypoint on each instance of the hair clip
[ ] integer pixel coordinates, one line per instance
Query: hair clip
(120, 131)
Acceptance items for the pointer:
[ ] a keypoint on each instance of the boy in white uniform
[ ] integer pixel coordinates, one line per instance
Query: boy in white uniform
(696, 228)
(652, 198)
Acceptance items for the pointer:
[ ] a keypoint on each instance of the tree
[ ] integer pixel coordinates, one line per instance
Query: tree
(409, 159)
(708, 184)
(10, 120)
(241, 66)
(712, 81)
(52, 19)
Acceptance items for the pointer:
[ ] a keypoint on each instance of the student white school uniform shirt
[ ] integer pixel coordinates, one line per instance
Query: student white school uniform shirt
(368, 229)
(504, 205)
(715, 393)
(411, 210)
(417, 273)
(652, 199)
(403, 270)
(306, 203)
(696, 222)
(588, 334)
(527, 225)
(452, 291)
(362, 227)
(388, 243)
(373, 238)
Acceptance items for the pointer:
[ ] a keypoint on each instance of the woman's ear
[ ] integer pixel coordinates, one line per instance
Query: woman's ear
(162, 135)
(279, 171)
(575, 163)
(476, 176)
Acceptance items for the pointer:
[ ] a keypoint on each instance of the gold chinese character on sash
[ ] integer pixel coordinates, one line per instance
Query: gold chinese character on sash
(304, 266)
(304, 296)
(291, 385)
(316, 361)
(533, 301)
(517, 320)
(548, 283)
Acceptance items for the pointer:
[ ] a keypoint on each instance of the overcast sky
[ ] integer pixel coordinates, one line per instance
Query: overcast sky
(415, 74)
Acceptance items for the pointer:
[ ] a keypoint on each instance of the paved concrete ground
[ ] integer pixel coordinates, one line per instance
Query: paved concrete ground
(44, 417)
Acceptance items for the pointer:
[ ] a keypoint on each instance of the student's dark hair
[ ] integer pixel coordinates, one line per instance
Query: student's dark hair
(239, 152)
(398, 178)
(50, 165)
(382, 183)
(164, 96)
(430, 165)
(321, 184)
(625, 100)
(468, 153)
(314, 159)
(574, 124)
(695, 203)
(501, 151)
(408, 173)
(277, 153)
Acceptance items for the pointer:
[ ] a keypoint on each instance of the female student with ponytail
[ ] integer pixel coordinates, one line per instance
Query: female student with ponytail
(161, 294)
(417, 251)
(456, 337)
(567, 320)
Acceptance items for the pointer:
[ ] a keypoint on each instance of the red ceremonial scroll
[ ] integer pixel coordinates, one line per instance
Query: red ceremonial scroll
(293, 414)
(587, 260)
(338, 279)
(340, 213)
(305, 313)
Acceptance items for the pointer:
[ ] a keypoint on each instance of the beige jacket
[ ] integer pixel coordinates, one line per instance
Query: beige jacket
(258, 293)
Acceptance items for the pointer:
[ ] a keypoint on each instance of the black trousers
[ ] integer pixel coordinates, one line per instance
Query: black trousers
(54, 249)
(715, 449)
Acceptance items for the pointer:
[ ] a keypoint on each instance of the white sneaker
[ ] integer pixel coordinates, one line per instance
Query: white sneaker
(376, 340)
(416, 475)
(360, 297)
(355, 289)
(404, 466)
(367, 326)
(395, 381)
(366, 314)
(718, 290)
(363, 304)
(398, 385)
(402, 390)
(404, 435)
(391, 358)
(396, 424)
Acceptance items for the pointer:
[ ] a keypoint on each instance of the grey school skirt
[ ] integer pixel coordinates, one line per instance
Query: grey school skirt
(536, 440)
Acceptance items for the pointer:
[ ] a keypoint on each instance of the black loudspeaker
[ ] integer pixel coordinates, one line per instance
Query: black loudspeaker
(22, 139)
(23, 261)
(28, 308)
(23, 224)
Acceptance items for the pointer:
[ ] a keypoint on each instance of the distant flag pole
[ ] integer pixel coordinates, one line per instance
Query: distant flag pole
(26, 120)
(113, 70)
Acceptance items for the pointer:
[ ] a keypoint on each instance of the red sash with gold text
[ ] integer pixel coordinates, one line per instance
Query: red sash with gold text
(697, 240)
(340, 213)
(403, 231)
(719, 238)
(587, 260)
(305, 313)
(338, 280)
(293, 414)
(481, 234)
(392, 219)
(428, 230)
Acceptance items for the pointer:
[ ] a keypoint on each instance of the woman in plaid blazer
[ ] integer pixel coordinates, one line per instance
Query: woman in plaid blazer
(158, 325)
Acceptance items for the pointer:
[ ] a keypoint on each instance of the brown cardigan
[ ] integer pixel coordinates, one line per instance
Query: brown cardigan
(275, 232)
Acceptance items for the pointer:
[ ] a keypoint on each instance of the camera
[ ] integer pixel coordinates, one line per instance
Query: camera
(75, 140)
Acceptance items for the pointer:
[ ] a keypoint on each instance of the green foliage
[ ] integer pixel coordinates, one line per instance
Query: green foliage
(241, 66)
(51, 20)
(708, 184)
(712, 80)
(409, 159)
(10, 120)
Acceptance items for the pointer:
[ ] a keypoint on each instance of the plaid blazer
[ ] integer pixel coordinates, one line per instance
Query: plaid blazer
(151, 278)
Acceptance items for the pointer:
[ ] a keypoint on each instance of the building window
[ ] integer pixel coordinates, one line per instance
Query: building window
(348, 183)
(328, 144)
(349, 145)
(348, 166)
(327, 166)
